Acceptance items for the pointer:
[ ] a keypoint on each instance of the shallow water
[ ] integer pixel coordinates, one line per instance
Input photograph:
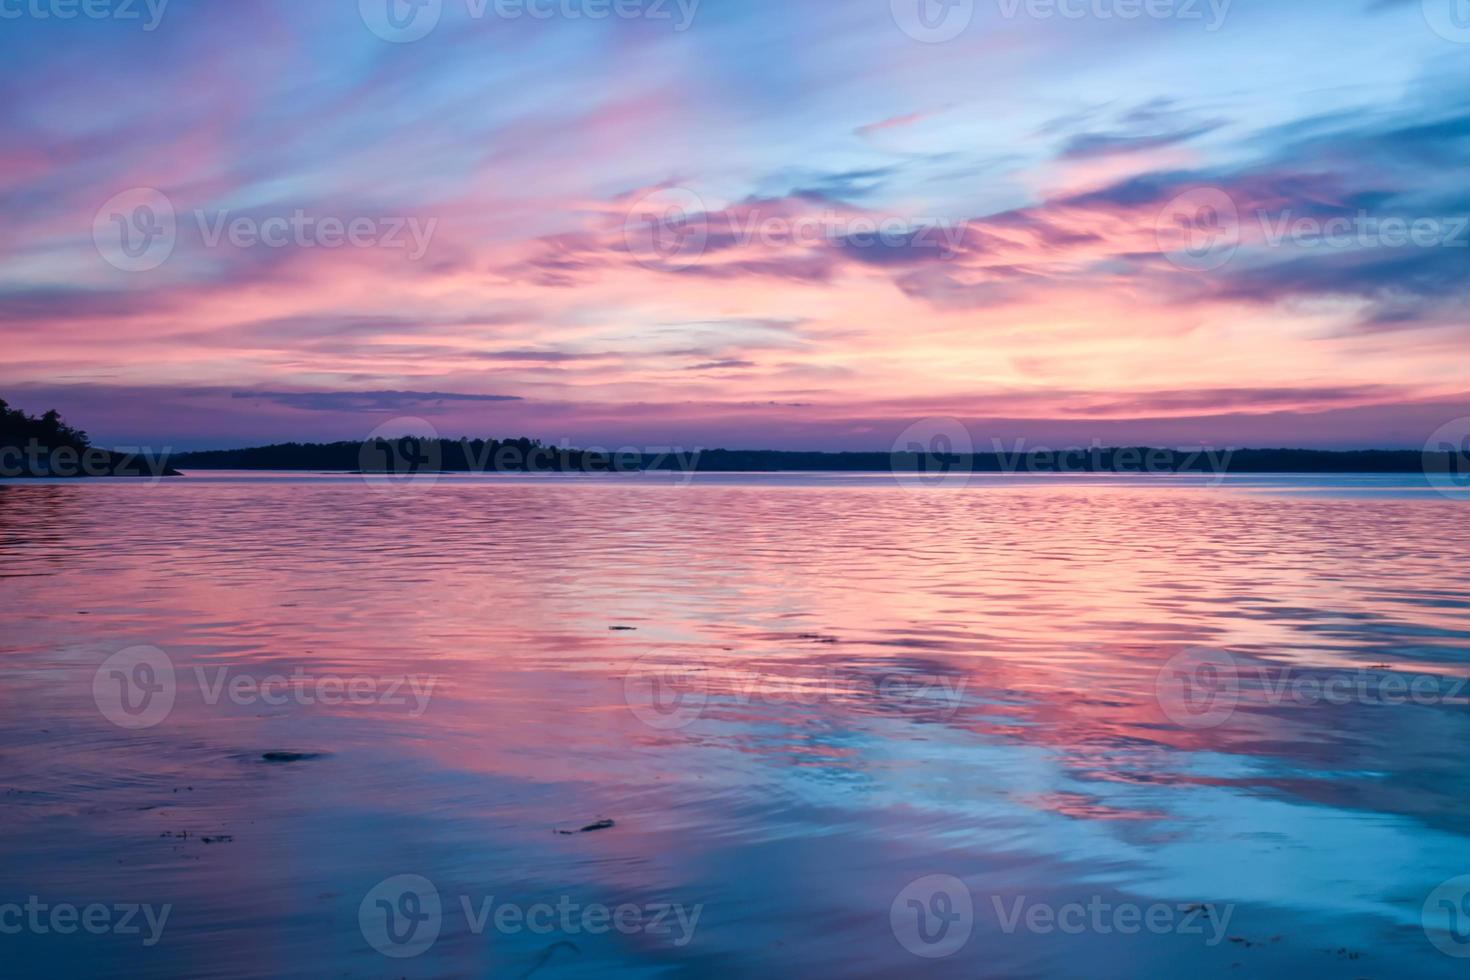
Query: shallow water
(1140, 727)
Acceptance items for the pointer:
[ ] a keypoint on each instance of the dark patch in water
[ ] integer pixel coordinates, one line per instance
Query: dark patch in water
(550, 951)
(290, 756)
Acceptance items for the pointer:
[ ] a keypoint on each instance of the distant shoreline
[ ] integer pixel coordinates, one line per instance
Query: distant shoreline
(447, 456)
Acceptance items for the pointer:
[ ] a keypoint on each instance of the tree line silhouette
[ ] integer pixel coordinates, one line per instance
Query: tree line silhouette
(17, 429)
(45, 446)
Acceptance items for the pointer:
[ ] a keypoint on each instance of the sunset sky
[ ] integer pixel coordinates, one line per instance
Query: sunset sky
(864, 221)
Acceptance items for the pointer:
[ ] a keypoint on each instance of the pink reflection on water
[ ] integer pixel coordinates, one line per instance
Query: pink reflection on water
(865, 685)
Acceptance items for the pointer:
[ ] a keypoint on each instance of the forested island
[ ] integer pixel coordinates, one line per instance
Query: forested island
(45, 446)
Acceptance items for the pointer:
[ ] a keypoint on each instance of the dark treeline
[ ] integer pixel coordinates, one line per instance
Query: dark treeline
(528, 455)
(1078, 460)
(45, 446)
(17, 429)
(412, 454)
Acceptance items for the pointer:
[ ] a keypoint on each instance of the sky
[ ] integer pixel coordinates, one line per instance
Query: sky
(792, 224)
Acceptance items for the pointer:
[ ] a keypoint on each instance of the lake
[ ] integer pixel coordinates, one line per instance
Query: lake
(752, 726)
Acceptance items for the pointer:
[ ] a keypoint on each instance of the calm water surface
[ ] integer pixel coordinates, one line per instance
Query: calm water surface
(798, 699)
